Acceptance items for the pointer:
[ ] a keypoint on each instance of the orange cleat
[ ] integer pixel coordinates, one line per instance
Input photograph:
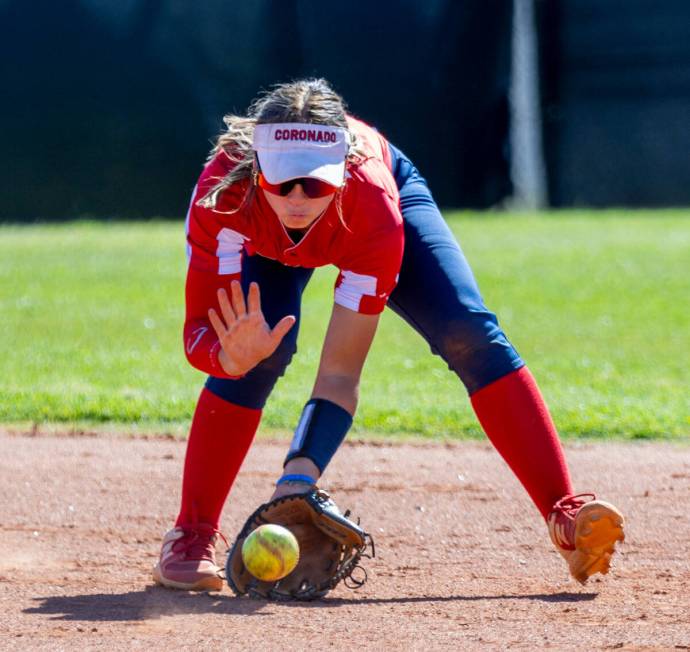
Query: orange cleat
(585, 531)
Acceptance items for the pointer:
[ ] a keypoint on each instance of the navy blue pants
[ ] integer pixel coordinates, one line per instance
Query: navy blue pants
(436, 294)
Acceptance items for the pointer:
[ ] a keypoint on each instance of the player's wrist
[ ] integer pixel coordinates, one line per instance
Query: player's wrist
(296, 479)
(299, 476)
(301, 466)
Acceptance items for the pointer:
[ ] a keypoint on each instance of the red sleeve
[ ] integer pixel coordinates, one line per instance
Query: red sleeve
(201, 344)
(216, 237)
(369, 269)
(215, 246)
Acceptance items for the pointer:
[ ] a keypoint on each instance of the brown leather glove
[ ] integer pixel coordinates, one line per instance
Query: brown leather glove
(331, 547)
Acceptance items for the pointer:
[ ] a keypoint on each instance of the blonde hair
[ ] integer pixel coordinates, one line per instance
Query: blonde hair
(311, 101)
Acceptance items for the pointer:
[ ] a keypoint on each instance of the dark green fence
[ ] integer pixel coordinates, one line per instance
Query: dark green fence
(109, 106)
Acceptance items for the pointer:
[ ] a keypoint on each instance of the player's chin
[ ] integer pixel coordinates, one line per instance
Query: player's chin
(298, 221)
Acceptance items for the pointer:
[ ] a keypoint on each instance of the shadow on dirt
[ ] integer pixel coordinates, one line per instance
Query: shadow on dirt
(154, 602)
(540, 597)
(148, 604)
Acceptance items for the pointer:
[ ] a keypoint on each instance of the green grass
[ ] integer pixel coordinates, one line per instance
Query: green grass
(597, 303)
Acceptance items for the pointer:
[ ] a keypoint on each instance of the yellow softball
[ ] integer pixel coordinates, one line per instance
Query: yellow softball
(270, 552)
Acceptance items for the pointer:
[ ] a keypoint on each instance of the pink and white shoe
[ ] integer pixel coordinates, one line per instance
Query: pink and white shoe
(585, 531)
(188, 559)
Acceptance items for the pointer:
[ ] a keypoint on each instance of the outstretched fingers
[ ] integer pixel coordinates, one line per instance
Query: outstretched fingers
(238, 304)
(217, 323)
(254, 298)
(226, 308)
(281, 328)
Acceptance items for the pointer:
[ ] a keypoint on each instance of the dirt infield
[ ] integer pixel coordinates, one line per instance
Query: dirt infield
(463, 560)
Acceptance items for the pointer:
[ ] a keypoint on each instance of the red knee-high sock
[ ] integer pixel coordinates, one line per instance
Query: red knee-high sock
(515, 418)
(219, 439)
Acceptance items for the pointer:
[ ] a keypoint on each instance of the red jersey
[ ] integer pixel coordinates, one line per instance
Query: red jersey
(367, 249)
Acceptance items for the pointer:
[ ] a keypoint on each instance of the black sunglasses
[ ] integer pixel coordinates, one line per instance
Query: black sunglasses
(313, 188)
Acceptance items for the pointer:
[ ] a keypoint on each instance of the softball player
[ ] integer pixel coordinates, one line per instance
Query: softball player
(294, 185)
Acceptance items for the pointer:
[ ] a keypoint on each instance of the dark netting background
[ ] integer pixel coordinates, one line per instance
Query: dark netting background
(109, 105)
(616, 89)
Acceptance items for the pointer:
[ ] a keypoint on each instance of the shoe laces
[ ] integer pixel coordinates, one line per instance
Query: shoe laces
(570, 504)
(198, 541)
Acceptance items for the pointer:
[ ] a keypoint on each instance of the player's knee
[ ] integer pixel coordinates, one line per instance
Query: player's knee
(462, 339)
(478, 354)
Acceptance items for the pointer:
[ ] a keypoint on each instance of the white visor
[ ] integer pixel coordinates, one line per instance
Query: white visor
(291, 150)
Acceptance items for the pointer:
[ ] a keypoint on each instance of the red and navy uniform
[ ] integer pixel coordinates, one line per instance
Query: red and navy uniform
(367, 248)
(394, 231)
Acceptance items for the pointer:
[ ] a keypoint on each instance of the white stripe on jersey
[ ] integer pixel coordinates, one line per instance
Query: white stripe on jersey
(229, 251)
(352, 287)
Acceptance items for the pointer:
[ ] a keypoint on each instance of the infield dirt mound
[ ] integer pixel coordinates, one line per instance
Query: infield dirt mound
(463, 559)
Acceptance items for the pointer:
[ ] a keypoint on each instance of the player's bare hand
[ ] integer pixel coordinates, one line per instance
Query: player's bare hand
(245, 337)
